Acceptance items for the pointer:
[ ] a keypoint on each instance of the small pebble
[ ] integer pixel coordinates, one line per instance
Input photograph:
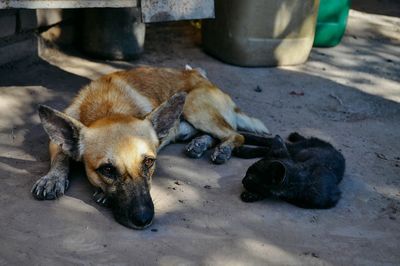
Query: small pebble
(314, 255)
(258, 89)
(207, 186)
(295, 93)
(311, 253)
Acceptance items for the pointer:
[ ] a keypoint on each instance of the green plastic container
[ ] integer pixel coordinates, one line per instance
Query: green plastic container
(331, 22)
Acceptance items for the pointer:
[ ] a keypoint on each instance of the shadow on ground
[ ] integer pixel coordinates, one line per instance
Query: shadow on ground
(195, 223)
(199, 216)
(380, 7)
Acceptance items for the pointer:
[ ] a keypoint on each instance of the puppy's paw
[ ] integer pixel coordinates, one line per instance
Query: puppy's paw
(50, 186)
(101, 198)
(221, 154)
(278, 141)
(294, 137)
(250, 197)
(197, 147)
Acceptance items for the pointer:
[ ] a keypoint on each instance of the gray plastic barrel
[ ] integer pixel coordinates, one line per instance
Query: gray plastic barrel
(261, 32)
(113, 33)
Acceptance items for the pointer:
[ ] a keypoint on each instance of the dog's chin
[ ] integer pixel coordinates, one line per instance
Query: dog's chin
(131, 225)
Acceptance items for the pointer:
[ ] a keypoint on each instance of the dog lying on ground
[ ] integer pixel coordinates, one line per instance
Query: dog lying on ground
(118, 123)
(304, 172)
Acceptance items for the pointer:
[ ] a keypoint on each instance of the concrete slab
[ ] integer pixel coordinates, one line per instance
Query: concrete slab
(351, 98)
(173, 10)
(43, 4)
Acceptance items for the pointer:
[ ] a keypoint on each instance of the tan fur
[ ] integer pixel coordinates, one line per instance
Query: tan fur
(54, 149)
(117, 124)
(100, 98)
(118, 139)
(116, 120)
(116, 103)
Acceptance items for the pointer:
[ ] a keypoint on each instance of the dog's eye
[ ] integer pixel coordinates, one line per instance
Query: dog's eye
(108, 170)
(148, 162)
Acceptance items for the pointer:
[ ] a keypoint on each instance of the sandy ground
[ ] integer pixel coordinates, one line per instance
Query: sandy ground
(351, 98)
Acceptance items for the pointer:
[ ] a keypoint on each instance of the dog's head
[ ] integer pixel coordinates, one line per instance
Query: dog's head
(265, 176)
(119, 153)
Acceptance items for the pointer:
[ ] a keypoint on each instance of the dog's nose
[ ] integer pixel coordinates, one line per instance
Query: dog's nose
(143, 218)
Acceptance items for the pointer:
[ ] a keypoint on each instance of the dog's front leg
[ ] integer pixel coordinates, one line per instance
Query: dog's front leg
(55, 183)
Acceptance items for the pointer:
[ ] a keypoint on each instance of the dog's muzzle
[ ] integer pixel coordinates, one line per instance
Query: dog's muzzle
(133, 207)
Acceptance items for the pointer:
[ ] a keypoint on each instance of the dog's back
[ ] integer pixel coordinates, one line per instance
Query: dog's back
(316, 153)
(135, 92)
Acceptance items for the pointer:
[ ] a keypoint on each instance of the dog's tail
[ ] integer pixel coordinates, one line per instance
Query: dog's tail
(250, 124)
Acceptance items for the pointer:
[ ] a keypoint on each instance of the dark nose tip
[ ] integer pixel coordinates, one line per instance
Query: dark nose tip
(143, 218)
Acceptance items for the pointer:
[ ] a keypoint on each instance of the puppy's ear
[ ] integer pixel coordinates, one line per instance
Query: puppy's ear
(276, 172)
(62, 130)
(166, 117)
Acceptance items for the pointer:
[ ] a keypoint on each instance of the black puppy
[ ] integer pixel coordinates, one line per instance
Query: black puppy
(304, 172)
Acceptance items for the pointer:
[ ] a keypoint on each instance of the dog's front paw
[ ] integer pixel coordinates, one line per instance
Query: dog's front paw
(101, 198)
(221, 154)
(250, 197)
(50, 186)
(197, 146)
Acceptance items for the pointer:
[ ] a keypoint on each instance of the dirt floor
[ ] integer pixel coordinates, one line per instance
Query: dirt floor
(349, 95)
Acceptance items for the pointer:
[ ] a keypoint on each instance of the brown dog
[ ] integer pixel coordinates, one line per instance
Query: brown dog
(118, 123)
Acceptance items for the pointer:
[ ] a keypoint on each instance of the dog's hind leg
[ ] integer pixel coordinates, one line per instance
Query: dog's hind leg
(223, 151)
(216, 126)
(212, 123)
(256, 140)
(186, 131)
(247, 152)
(55, 183)
(213, 112)
(197, 146)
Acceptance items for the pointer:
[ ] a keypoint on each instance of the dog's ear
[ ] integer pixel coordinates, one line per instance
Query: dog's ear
(62, 130)
(200, 70)
(277, 173)
(166, 117)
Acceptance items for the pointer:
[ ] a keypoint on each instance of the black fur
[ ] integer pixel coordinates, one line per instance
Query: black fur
(304, 172)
